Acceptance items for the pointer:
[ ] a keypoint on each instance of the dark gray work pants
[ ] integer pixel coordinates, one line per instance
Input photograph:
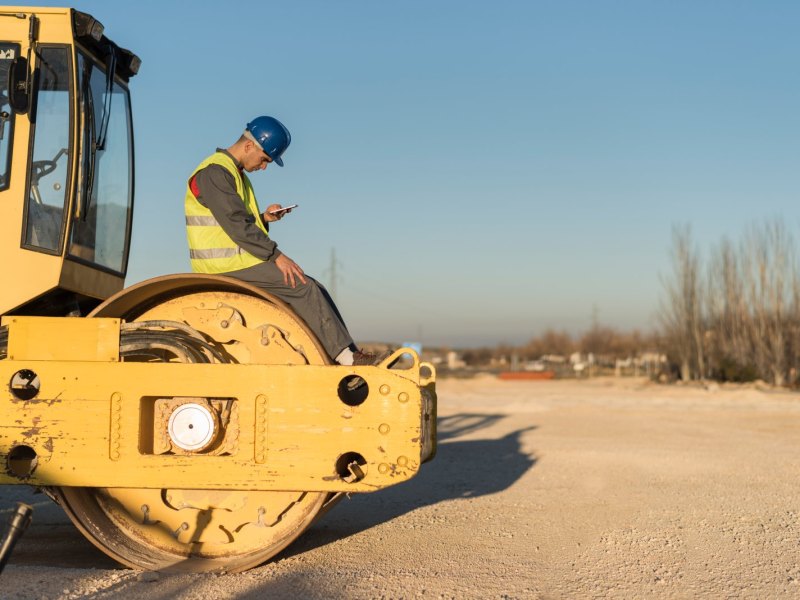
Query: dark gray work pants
(310, 301)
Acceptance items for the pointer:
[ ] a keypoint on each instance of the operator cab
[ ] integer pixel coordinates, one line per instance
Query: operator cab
(66, 161)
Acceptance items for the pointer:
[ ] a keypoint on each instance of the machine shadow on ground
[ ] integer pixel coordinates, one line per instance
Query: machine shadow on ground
(461, 469)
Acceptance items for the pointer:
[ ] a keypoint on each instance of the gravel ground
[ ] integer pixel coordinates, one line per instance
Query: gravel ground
(556, 489)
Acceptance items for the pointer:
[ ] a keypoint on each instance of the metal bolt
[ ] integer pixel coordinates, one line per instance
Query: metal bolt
(384, 428)
(403, 397)
(402, 461)
(385, 389)
(383, 468)
(183, 527)
(224, 324)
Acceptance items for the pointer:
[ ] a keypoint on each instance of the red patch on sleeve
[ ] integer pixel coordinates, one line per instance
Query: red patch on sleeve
(193, 187)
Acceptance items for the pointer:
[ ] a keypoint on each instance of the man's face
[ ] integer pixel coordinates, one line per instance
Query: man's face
(255, 159)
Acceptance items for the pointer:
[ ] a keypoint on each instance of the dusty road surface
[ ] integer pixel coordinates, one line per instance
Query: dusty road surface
(605, 489)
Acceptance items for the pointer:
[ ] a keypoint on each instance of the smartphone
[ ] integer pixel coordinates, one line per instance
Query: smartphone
(282, 210)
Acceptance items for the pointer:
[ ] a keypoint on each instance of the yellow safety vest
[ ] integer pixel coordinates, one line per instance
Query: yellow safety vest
(211, 250)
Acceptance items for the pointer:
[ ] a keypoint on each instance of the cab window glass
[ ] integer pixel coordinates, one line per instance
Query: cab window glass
(47, 191)
(8, 52)
(100, 233)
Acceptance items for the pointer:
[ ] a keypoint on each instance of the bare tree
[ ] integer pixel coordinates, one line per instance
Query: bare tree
(770, 278)
(551, 342)
(745, 323)
(731, 348)
(682, 313)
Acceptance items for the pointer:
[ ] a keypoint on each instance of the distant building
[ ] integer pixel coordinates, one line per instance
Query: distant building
(454, 361)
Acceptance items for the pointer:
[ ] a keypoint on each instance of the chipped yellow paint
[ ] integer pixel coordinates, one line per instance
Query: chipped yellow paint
(292, 441)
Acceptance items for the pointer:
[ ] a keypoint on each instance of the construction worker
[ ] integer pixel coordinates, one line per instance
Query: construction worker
(229, 236)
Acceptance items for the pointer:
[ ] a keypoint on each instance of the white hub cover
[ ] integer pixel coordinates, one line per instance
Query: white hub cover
(191, 426)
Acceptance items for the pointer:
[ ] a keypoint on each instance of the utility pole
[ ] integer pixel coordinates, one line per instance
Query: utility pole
(332, 273)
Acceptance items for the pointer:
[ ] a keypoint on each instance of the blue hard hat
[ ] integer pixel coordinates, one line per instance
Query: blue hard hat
(272, 136)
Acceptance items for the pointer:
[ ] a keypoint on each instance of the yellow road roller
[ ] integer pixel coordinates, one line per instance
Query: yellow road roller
(187, 423)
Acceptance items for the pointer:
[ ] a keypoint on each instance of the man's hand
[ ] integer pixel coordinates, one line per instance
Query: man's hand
(290, 269)
(276, 217)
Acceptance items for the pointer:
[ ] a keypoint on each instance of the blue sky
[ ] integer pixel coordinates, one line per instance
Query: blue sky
(482, 170)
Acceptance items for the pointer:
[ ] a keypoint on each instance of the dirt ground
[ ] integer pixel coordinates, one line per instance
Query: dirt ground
(551, 489)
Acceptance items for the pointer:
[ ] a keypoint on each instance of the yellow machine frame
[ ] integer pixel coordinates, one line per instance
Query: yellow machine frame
(280, 442)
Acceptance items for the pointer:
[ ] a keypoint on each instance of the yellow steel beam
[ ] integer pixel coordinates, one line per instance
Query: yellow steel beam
(92, 422)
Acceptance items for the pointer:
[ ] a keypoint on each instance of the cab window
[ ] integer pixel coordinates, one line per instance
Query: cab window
(49, 167)
(101, 230)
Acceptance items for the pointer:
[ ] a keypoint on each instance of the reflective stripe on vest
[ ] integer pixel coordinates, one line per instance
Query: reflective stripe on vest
(202, 221)
(211, 250)
(214, 253)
